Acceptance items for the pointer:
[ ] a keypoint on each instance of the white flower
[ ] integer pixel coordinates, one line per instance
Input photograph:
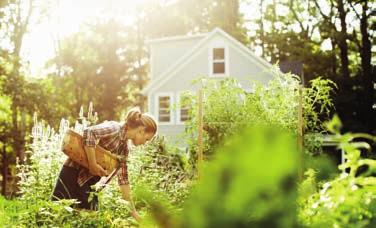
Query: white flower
(343, 175)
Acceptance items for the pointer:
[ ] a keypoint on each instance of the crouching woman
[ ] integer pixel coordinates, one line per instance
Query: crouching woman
(75, 181)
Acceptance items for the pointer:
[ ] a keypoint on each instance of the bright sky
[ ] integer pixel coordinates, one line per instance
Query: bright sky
(67, 15)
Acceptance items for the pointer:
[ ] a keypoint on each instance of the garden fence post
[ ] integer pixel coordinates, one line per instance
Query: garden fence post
(300, 134)
(4, 171)
(200, 132)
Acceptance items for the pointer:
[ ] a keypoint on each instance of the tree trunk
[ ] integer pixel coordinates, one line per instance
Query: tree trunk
(334, 58)
(22, 133)
(233, 16)
(262, 29)
(273, 53)
(365, 54)
(15, 129)
(342, 42)
(20, 28)
(365, 51)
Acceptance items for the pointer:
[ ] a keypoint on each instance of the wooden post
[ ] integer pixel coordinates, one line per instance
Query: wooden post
(200, 133)
(300, 134)
(4, 171)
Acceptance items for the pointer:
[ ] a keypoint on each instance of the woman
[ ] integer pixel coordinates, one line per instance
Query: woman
(75, 181)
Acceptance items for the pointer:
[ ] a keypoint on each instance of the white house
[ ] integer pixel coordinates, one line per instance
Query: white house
(176, 61)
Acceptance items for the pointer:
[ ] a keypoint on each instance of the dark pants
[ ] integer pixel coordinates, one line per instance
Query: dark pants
(67, 188)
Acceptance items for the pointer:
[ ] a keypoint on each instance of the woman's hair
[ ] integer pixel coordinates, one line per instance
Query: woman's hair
(135, 119)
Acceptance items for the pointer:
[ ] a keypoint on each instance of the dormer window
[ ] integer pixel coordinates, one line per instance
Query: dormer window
(218, 61)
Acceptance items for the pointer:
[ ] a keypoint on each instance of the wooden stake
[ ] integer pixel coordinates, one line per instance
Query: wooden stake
(200, 133)
(4, 171)
(300, 134)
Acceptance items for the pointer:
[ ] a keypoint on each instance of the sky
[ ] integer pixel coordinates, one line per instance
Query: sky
(39, 42)
(65, 17)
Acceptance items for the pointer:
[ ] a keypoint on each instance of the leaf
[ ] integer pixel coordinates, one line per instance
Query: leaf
(69, 209)
(335, 125)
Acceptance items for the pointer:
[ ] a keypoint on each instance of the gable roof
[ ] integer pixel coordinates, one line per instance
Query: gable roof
(186, 58)
(174, 38)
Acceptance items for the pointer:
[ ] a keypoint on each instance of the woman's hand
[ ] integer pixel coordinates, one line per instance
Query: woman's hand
(97, 170)
(135, 215)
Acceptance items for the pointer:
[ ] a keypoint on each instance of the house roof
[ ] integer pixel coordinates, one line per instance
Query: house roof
(174, 38)
(185, 59)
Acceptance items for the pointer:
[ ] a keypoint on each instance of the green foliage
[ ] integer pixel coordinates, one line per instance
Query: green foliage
(163, 168)
(156, 166)
(100, 63)
(44, 213)
(38, 176)
(228, 108)
(250, 183)
(349, 199)
(325, 168)
(318, 103)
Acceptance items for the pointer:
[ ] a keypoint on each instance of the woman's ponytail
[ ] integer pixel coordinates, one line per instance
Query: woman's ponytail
(135, 118)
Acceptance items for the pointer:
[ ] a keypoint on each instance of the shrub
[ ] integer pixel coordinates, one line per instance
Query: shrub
(348, 200)
(251, 182)
(228, 108)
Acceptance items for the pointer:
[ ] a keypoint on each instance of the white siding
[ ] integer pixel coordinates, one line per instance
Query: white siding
(164, 54)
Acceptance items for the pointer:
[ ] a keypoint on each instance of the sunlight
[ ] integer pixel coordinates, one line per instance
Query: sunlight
(65, 18)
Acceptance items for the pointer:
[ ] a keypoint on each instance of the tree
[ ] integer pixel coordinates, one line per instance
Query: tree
(299, 34)
(367, 71)
(14, 24)
(338, 35)
(100, 63)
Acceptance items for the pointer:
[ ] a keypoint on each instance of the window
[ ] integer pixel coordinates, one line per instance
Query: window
(164, 111)
(218, 61)
(184, 115)
(183, 107)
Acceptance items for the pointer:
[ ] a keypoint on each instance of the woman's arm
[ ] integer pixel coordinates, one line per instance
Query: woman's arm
(94, 167)
(91, 135)
(126, 193)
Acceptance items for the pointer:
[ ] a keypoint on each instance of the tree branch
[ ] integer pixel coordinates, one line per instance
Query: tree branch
(291, 6)
(356, 13)
(319, 8)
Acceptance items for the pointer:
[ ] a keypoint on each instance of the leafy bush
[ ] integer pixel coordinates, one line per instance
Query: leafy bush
(349, 200)
(251, 182)
(164, 168)
(228, 108)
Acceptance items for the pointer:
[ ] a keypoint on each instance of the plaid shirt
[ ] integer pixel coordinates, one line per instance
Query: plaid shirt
(110, 136)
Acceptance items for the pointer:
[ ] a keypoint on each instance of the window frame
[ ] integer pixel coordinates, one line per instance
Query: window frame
(178, 109)
(212, 61)
(156, 105)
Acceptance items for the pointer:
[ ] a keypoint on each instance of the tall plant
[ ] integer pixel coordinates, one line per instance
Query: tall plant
(228, 108)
